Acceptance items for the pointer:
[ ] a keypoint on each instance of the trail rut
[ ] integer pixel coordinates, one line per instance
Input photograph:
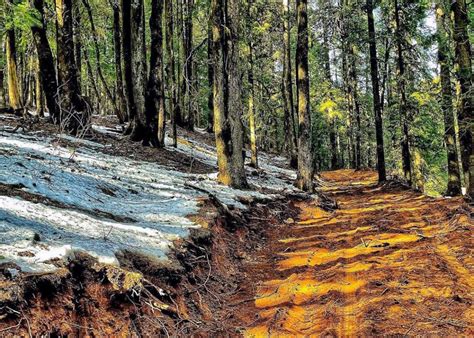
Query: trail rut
(388, 261)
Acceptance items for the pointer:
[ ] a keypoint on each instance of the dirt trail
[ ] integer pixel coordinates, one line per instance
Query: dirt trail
(389, 261)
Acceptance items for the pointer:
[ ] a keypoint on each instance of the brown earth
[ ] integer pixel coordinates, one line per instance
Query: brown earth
(388, 262)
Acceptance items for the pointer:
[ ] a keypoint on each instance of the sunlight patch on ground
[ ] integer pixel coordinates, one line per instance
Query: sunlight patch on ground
(359, 273)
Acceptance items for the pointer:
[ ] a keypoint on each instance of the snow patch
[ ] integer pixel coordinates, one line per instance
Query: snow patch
(105, 204)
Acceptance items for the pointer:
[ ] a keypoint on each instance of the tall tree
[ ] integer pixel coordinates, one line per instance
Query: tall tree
(170, 68)
(188, 67)
(251, 91)
(77, 40)
(304, 180)
(73, 117)
(463, 59)
(46, 67)
(119, 90)
(39, 97)
(374, 72)
(155, 102)
(134, 66)
(227, 91)
(446, 99)
(12, 66)
(287, 88)
(401, 78)
(47, 70)
(210, 79)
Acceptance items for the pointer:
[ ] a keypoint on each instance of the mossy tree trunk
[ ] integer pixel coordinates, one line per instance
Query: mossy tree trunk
(227, 93)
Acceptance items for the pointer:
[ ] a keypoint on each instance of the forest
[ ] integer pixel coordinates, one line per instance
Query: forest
(257, 168)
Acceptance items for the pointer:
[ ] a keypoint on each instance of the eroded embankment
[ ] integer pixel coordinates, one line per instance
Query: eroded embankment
(388, 261)
(187, 296)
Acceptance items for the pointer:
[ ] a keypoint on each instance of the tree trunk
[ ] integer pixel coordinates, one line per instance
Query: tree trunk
(406, 158)
(234, 92)
(446, 100)
(304, 180)
(47, 69)
(355, 101)
(251, 112)
(73, 118)
(135, 68)
(12, 69)
(376, 92)
(155, 103)
(120, 97)
(210, 78)
(188, 74)
(291, 135)
(170, 69)
(77, 42)
(127, 60)
(181, 110)
(39, 97)
(251, 96)
(463, 59)
(334, 148)
(227, 123)
(2, 87)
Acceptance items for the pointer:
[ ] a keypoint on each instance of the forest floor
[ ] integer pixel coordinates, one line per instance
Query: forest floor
(354, 259)
(388, 261)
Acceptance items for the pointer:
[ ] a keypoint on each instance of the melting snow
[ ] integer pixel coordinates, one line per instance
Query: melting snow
(103, 203)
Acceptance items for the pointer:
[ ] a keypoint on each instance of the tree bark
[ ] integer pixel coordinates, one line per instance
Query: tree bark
(135, 67)
(376, 92)
(291, 135)
(39, 96)
(2, 87)
(210, 78)
(234, 92)
(155, 102)
(188, 73)
(120, 96)
(227, 123)
(463, 59)
(304, 179)
(251, 95)
(47, 69)
(356, 103)
(73, 117)
(446, 100)
(12, 68)
(406, 158)
(127, 60)
(170, 69)
(77, 42)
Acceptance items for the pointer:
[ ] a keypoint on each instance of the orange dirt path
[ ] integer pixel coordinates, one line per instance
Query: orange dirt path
(389, 261)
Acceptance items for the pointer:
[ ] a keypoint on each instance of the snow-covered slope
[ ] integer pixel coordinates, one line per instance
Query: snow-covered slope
(100, 203)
